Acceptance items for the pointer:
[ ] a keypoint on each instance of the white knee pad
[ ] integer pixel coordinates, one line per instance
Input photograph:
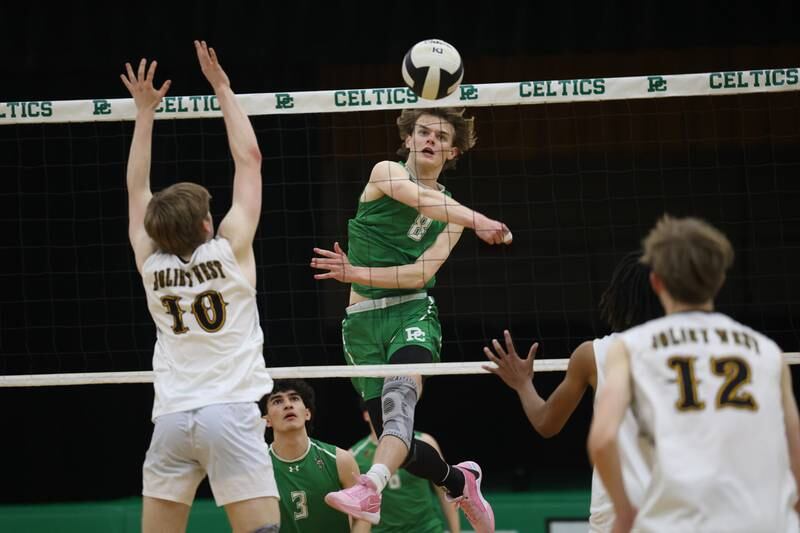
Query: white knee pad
(399, 399)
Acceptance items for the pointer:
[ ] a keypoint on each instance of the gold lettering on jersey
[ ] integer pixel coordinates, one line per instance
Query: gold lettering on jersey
(218, 266)
(677, 339)
(738, 338)
(171, 277)
(198, 274)
(680, 336)
(177, 277)
(207, 271)
(672, 337)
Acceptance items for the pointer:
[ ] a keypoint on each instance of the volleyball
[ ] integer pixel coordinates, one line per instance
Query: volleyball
(433, 69)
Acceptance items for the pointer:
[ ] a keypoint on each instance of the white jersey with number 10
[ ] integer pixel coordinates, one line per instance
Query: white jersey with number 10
(209, 347)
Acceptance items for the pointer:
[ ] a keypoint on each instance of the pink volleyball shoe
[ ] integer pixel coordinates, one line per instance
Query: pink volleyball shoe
(475, 507)
(362, 500)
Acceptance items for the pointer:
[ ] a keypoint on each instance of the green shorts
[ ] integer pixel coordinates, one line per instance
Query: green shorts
(375, 329)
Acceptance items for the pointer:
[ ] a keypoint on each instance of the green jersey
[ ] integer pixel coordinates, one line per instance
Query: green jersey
(386, 232)
(302, 484)
(409, 503)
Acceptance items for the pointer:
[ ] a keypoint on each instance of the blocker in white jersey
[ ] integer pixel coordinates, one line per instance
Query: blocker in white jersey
(712, 397)
(208, 362)
(708, 398)
(635, 465)
(626, 302)
(209, 346)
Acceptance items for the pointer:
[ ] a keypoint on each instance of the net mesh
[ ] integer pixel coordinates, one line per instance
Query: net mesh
(578, 183)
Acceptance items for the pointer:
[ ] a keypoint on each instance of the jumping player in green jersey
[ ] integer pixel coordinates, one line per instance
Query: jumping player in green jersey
(405, 228)
(306, 469)
(409, 502)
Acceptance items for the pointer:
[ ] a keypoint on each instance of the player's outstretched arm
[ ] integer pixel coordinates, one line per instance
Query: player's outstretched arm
(146, 97)
(546, 416)
(612, 402)
(449, 509)
(347, 468)
(792, 423)
(392, 179)
(412, 276)
(240, 223)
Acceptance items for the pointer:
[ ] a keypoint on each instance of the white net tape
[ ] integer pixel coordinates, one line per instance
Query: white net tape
(303, 372)
(748, 81)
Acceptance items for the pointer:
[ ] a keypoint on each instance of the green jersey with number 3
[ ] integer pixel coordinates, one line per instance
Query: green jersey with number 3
(386, 232)
(303, 484)
(409, 503)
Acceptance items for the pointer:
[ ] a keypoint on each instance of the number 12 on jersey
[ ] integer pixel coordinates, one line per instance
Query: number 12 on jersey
(735, 372)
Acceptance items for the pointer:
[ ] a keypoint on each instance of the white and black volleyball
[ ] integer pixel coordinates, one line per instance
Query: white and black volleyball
(433, 69)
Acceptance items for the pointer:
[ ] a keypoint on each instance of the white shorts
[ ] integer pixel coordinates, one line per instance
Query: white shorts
(225, 441)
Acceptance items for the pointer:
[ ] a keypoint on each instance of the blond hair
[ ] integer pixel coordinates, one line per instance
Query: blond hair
(463, 129)
(690, 256)
(174, 218)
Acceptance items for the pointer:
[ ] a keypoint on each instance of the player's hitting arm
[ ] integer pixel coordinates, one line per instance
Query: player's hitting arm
(546, 416)
(411, 276)
(393, 180)
(146, 98)
(240, 223)
(449, 509)
(347, 469)
(792, 423)
(612, 402)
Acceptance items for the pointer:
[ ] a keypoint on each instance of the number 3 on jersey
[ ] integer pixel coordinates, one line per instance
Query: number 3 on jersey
(300, 501)
(735, 371)
(208, 309)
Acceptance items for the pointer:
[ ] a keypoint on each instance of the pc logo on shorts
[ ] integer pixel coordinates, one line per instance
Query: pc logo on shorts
(415, 334)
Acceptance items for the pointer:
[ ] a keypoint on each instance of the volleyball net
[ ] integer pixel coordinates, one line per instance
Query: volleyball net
(578, 180)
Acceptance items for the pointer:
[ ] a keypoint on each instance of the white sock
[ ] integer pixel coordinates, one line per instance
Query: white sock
(379, 474)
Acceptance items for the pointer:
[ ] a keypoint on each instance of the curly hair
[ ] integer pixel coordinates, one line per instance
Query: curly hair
(464, 129)
(628, 300)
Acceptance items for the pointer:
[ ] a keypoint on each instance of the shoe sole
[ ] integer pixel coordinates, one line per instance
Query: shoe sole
(355, 512)
(471, 465)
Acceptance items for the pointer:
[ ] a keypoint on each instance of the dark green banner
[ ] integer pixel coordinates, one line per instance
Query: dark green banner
(528, 512)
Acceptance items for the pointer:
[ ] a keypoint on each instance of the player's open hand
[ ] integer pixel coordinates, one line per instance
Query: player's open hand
(210, 66)
(140, 85)
(492, 231)
(335, 262)
(511, 368)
